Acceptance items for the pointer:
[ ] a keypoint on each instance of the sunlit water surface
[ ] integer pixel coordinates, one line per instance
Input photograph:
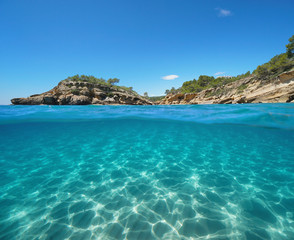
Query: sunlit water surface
(147, 172)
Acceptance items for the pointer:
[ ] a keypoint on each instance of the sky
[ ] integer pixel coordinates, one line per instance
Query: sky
(150, 45)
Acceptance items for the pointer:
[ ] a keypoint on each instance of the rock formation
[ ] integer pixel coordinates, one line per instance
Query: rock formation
(84, 93)
(247, 90)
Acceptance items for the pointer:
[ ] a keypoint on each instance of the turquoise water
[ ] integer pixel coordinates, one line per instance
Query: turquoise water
(147, 172)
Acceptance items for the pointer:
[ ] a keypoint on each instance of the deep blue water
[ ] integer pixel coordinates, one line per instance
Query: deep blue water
(147, 172)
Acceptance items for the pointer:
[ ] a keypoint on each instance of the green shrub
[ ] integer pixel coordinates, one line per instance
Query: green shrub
(85, 78)
(278, 64)
(241, 88)
(75, 91)
(156, 98)
(91, 79)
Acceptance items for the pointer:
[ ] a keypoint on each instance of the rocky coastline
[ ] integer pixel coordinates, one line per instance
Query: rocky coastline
(246, 90)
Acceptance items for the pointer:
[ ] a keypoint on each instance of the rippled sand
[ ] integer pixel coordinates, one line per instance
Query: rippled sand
(145, 179)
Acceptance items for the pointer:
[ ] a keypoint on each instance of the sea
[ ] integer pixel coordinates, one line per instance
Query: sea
(147, 172)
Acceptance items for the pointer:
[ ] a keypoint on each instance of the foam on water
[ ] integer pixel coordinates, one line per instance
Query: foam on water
(134, 173)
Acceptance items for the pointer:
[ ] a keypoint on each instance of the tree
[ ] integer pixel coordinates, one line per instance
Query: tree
(145, 94)
(85, 78)
(173, 90)
(190, 86)
(204, 80)
(261, 71)
(290, 47)
(112, 81)
(167, 91)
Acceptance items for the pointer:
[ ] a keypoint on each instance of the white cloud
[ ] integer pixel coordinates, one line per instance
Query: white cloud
(223, 12)
(219, 73)
(170, 77)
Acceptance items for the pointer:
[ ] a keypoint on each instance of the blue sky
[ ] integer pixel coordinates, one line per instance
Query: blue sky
(139, 42)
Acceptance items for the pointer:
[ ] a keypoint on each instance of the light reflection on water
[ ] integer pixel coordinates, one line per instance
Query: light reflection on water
(145, 179)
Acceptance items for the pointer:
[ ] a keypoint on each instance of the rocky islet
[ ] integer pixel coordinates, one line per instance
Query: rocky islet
(83, 93)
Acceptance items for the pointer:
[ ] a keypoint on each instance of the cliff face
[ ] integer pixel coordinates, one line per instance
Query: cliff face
(247, 90)
(83, 93)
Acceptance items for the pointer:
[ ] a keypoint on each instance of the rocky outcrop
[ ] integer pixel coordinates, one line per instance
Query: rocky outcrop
(83, 93)
(247, 90)
(286, 76)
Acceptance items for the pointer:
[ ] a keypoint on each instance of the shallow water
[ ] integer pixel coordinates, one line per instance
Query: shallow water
(147, 172)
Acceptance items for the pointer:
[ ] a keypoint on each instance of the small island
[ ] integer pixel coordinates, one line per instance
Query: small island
(85, 90)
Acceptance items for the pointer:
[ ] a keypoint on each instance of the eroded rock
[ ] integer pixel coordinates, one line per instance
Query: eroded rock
(83, 93)
(246, 90)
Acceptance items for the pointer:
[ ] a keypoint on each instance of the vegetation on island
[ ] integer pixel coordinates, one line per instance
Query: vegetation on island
(278, 64)
(92, 79)
(153, 98)
(205, 82)
(290, 47)
(156, 98)
(101, 81)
